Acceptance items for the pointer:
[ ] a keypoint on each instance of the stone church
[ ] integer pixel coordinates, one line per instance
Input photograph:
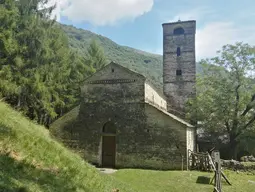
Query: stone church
(123, 121)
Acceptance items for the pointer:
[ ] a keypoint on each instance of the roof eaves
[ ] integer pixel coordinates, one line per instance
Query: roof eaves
(172, 116)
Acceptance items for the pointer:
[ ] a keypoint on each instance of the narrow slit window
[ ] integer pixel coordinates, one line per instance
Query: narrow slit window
(112, 70)
(178, 52)
(178, 72)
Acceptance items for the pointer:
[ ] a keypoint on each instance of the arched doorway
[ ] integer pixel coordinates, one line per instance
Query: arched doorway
(109, 145)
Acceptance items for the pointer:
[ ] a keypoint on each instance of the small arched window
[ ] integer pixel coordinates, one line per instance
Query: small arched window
(109, 128)
(178, 31)
(178, 52)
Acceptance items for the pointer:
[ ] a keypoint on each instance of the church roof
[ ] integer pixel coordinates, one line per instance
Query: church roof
(126, 69)
(159, 91)
(174, 117)
(115, 65)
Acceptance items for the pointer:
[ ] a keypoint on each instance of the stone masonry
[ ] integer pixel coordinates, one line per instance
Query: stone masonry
(179, 64)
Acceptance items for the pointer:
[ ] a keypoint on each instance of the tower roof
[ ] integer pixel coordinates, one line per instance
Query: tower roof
(178, 22)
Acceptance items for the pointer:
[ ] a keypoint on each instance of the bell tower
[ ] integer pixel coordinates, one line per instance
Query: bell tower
(179, 64)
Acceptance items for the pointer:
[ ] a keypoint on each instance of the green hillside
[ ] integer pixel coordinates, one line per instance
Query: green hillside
(150, 65)
(30, 160)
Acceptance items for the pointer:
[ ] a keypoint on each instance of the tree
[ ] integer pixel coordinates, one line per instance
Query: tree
(39, 74)
(95, 57)
(29, 62)
(225, 102)
(8, 48)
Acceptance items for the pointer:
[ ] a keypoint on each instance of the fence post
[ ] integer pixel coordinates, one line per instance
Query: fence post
(217, 185)
(182, 162)
(188, 159)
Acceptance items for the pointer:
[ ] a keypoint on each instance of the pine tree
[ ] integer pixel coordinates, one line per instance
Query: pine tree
(39, 74)
(95, 57)
(9, 61)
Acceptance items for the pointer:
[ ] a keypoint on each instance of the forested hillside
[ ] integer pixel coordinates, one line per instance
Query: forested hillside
(150, 65)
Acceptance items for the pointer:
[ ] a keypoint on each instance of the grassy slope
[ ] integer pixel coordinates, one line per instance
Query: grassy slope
(177, 181)
(30, 160)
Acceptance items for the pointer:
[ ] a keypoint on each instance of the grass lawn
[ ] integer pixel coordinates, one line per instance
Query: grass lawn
(178, 181)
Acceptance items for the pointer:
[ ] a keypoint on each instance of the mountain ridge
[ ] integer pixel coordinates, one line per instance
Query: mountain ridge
(145, 63)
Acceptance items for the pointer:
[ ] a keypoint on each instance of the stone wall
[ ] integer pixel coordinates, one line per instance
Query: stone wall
(168, 137)
(116, 101)
(190, 138)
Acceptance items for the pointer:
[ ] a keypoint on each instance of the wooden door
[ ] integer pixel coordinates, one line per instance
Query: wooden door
(108, 151)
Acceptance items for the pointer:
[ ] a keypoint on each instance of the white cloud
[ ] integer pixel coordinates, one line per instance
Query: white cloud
(101, 12)
(213, 36)
(60, 5)
(193, 14)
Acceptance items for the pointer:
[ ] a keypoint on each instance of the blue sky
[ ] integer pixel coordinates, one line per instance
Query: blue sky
(138, 23)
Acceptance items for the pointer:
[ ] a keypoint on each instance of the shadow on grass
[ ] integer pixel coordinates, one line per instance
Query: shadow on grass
(203, 180)
(5, 131)
(27, 174)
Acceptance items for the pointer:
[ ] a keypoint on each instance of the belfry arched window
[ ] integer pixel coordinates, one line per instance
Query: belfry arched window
(178, 31)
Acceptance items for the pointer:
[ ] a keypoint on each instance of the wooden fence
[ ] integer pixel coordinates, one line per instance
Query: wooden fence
(199, 161)
(205, 162)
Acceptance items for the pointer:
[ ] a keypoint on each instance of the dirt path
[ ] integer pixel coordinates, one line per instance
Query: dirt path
(107, 170)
